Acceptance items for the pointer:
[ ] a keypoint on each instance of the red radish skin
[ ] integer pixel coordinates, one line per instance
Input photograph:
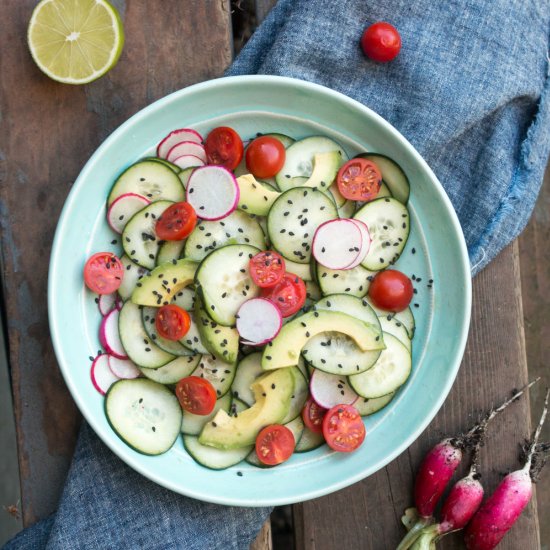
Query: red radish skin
(186, 148)
(175, 137)
(109, 336)
(188, 161)
(123, 208)
(101, 374)
(461, 504)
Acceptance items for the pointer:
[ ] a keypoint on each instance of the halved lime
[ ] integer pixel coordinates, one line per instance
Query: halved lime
(75, 41)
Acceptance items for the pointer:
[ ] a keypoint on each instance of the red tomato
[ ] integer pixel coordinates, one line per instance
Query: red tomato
(391, 290)
(172, 322)
(289, 294)
(266, 269)
(265, 156)
(196, 395)
(381, 42)
(103, 273)
(274, 444)
(359, 180)
(312, 415)
(343, 428)
(176, 222)
(224, 147)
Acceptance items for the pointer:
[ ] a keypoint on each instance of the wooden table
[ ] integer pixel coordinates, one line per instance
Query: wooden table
(50, 130)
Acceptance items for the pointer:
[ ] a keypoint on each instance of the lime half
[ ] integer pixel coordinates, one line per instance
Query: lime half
(75, 41)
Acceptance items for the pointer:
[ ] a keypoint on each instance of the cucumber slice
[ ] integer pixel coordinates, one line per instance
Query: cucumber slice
(347, 210)
(184, 175)
(302, 270)
(392, 174)
(137, 344)
(173, 167)
(170, 250)
(192, 340)
(336, 353)
(248, 370)
(309, 441)
(220, 341)
(299, 157)
(384, 191)
(212, 458)
(406, 316)
(353, 281)
(218, 373)
(294, 218)
(172, 372)
(185, 299)
(313, 292)
(397, 329)
(144, 414)
(132, 274)
(139, 238)
(389, 373)
(148, 314)
(151, 179)
(325, 167)
(339, 199)
(389, 226)
(237, 228)
(225, 282)
(192, 424)
(299, 396)
(287, 141)
(366, 407)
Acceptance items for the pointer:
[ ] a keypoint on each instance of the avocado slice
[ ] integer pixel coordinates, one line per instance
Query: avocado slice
(325, 169)
(254, 197)
(220, 341)
(272, 392)
(285, 349)
(164, 282)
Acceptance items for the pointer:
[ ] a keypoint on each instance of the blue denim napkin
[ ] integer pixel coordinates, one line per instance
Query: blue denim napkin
(469, 90)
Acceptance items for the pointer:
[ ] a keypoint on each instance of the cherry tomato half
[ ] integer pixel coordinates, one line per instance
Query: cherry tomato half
(266, 268)
(176, 222)
(359, 180)
(343, 428)
(103, 273)
(312, 415)
(224, 147)
(172, 322)
(391, 290)
(381, 42)
(265, 156)
(289, 294)
(274, 444)
(196, 395)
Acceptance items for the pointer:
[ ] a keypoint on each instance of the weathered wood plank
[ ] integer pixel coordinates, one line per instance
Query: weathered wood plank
(535, 288)
(367, 514)
(49, 131)
(263, 540)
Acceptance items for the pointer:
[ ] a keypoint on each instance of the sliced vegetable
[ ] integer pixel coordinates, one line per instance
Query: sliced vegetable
(123, 368)
(102, 376)
(109, 335)
(196, 395)
(275, 444)
(172, 322)
(186, 148)
(123, 208)
(312, 415)
(359, 180)
(224, 147)
(267, 268)
(258, 321)
(103, 273)
(176, 222)
(343, 428)
(330, 389)
(175, 137)
(288, 295)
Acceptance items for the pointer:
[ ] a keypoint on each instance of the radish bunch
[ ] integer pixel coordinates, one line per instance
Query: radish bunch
(485, 523)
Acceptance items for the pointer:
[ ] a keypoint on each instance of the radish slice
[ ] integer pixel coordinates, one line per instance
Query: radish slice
(188, 161)
(107, 302)
(109, 335)
(213, 192)
(366, 243)
(329, 390)
(123, 208)
(337, 244)
(123, 368)
(175, 137)
(186, 148)
(102, 376)
(118, 302)
(259, 321)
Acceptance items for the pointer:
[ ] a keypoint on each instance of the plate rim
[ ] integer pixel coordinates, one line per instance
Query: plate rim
(465, 279)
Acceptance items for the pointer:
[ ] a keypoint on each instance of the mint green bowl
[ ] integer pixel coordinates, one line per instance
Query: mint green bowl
(252, 104)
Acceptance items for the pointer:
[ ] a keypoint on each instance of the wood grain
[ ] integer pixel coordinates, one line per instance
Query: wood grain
(367, 515)
(49, 131)
(263, 540)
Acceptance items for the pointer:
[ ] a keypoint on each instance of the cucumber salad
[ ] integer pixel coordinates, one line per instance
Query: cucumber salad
(254, 307)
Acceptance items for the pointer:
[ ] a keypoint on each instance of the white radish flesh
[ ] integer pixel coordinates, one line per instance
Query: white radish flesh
(365, 245)
(109, 335)
(123, 208)
(188, 161)
(258, 321)
(213, 192)
(123, 368)
(329, 390)
(175, 137)
(106, 303)
(186, 148)
(337, 244)
(102, 376)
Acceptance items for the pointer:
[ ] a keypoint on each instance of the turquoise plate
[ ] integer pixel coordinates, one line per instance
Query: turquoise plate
(252, 104)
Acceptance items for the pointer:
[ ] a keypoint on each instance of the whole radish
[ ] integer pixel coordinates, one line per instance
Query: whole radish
(501, 510)
(437, 469)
